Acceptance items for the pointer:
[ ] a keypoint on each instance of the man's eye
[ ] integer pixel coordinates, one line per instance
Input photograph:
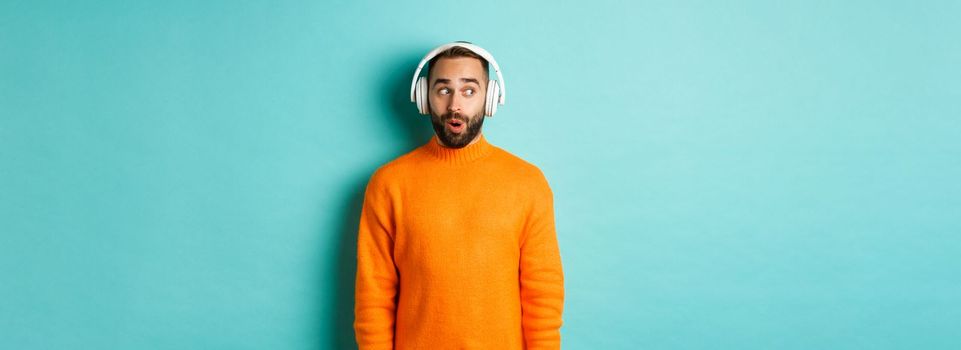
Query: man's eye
(470, 92)
(444, 91)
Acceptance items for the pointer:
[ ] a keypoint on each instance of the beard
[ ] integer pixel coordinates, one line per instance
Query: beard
(453, 140)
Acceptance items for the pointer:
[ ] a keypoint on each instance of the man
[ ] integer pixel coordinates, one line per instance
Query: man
(457, 247)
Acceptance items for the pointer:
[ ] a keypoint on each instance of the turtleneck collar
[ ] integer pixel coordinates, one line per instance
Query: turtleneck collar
(466, 154)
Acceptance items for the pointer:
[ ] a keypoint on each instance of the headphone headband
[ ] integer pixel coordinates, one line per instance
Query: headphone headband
(476, 49)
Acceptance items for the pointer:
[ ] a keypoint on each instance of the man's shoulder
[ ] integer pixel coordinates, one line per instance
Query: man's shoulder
(521, 168)
(395, 168)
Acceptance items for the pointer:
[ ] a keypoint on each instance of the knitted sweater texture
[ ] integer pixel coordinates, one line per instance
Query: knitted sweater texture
(457, 249)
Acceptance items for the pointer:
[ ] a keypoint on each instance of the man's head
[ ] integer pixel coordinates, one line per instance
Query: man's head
(456, 90)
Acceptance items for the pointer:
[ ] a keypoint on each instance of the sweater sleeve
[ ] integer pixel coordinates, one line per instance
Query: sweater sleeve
(541, 276)
(377, 278)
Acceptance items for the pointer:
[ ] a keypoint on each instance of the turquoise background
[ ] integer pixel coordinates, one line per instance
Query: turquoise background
(727, 175)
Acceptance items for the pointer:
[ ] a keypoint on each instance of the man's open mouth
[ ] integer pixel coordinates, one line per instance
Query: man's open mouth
(456, 126)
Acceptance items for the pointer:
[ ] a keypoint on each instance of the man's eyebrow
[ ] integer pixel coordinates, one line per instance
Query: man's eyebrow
(446, 81)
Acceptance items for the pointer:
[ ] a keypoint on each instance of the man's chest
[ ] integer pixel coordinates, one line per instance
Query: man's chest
(440, 229)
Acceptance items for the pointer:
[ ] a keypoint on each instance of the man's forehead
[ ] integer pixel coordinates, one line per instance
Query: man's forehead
(457, 69)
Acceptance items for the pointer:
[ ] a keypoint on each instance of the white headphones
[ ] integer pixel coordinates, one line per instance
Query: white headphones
(495, 88)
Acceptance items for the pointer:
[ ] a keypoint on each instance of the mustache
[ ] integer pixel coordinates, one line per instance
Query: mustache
(446, 117)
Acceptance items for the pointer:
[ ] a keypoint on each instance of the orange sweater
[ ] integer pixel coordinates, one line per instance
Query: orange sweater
(457, 250)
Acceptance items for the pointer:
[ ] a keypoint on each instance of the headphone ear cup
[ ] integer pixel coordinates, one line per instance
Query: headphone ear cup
(490, 103)
(420, 92)
(419, 95)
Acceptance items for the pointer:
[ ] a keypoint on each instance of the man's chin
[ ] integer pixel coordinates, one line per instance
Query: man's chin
(454, 140)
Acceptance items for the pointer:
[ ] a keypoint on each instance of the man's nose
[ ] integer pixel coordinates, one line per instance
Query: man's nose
(454, 105)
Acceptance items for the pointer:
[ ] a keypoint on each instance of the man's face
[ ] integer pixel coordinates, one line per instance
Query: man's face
(457, 89)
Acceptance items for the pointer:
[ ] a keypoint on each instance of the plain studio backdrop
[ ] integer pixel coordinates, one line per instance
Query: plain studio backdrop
(727, 175)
